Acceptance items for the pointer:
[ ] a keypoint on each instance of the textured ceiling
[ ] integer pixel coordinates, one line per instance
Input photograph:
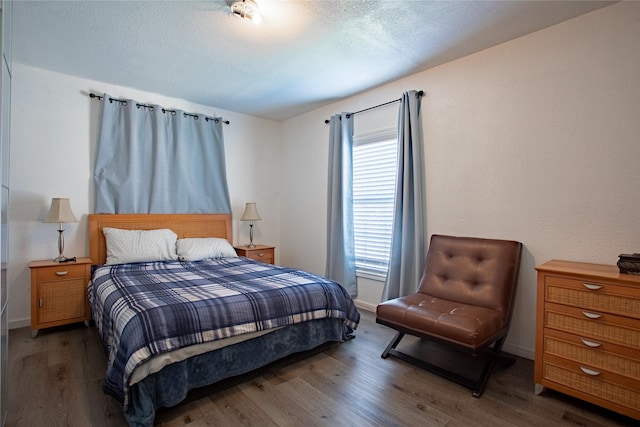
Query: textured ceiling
(305, 54)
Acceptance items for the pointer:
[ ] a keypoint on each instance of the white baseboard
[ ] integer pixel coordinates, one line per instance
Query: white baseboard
(365, 305)
(518, 350)
(21, 323)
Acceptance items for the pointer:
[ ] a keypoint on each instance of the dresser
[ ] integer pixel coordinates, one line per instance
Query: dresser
(59, 293)
(588, 334)
(262, 253)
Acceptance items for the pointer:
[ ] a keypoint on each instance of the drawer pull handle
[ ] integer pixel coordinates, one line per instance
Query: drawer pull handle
(588, 371)
(61, 273)
(591, 287)
(589, 343)
(40, 303)
(261, 254)
(592, 315)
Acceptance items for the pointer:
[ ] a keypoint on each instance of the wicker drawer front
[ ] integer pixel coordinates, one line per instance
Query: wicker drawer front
(608, 357)
(596, 386)
(61, 300)
(606, 330)
(591, 295)
(61, 272)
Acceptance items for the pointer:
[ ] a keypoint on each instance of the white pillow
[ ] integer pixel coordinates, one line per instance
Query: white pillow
(124, 246)
(196, 249)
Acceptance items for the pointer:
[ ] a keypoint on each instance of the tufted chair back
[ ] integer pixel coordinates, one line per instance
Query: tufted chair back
(472, 271)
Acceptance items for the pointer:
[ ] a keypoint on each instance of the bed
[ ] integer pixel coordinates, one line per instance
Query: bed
(172, 325)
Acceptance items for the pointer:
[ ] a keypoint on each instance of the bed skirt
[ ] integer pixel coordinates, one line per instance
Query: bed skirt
(170, 386)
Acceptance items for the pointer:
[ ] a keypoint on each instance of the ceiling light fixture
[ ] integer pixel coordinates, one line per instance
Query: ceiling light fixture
(247, 9)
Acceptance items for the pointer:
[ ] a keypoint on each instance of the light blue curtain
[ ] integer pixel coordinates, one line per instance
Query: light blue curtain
(341, 263)
(409, 219)
(152, 160)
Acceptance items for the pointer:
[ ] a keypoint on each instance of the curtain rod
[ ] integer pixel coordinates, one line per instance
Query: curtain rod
(164, 110)
(418, 94)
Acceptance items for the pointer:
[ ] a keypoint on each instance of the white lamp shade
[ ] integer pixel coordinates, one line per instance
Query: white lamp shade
(250, 213)
(60, 211)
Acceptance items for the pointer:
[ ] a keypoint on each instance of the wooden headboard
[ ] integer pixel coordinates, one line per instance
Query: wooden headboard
(184, 225)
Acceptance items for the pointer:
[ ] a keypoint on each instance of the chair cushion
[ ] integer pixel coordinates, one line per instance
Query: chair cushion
(463, 324)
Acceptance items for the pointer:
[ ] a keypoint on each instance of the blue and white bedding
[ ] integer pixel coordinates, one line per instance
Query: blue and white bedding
(146, 309)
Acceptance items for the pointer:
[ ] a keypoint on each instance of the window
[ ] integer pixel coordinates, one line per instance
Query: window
(374, 176)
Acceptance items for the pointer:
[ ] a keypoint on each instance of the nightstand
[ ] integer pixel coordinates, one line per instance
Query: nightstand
(262, 253)
(59, 293)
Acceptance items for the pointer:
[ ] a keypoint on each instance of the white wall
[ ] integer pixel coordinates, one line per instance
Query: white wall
(536, 140)
(53, 140)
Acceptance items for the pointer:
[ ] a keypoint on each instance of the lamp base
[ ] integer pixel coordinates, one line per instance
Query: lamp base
(251, 245)
(63, 258)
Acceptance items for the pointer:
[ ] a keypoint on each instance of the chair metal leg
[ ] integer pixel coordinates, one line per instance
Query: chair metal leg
(394, 342)
(494, 356)
(477, 386)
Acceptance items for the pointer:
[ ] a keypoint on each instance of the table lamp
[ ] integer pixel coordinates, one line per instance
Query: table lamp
(250, 214)
(61, 213)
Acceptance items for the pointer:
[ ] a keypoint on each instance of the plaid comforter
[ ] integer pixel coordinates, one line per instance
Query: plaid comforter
(145, 309)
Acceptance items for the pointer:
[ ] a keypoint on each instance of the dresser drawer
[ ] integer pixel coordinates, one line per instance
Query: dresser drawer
(590, 324)
(594, 295)
(600, 355)
(61, 272)
(618, 392)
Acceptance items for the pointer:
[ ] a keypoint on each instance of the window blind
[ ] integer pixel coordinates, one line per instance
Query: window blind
(374, 175)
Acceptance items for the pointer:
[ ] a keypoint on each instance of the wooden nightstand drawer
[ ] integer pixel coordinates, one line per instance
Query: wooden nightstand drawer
(265, 256)
(262, 253)
(59, 293)
(60, 272)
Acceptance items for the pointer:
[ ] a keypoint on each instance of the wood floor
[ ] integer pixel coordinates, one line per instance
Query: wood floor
(56, 380)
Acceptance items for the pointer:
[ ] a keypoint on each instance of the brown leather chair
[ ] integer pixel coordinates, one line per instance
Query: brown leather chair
(464, 300)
